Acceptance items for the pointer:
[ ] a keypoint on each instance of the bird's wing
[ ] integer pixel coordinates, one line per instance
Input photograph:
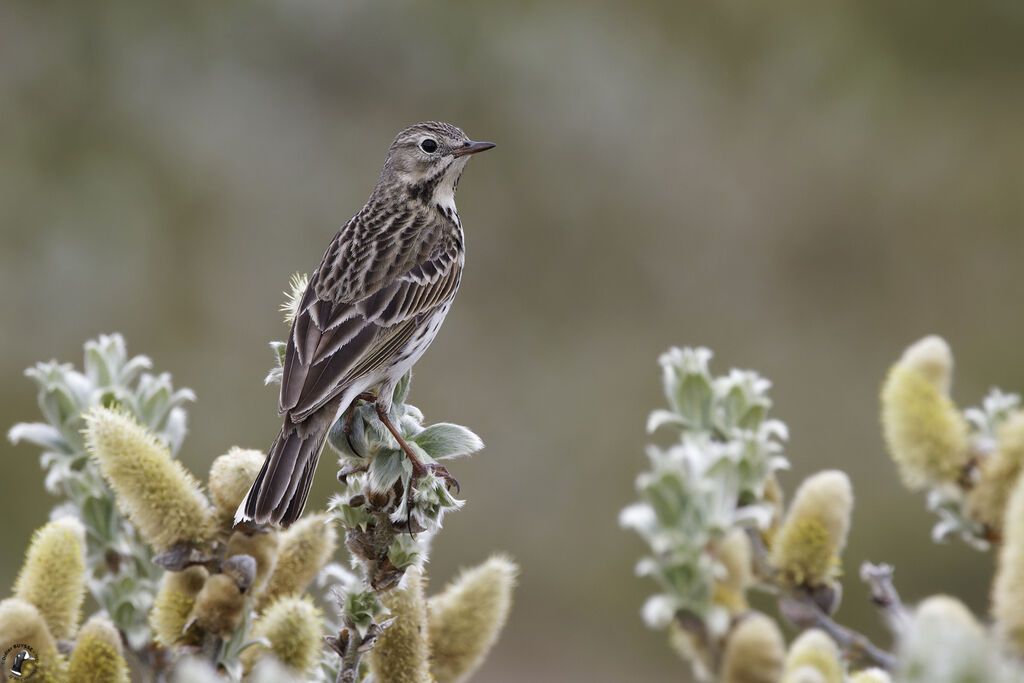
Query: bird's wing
(337, 340)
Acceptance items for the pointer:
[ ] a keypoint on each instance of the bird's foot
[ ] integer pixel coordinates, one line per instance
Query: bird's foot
(420, 470)
(439, 470)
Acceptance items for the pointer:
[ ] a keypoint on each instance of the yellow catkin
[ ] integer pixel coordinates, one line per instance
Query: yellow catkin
(816, 651)
(804, 674)
(754, 652)
(871, 676)
(173, 604)
(98, 657)
(774, 495)
(733, 553)
(231, 475)
(997, 474)
(262, 546)
(153, 489)
(926, 435)
(22, 624)
(218, 607)
(304, 548)
(807, 547)
(402, 653)
(53, 576)
(467, 617)
(294, 628)
(1008, 587)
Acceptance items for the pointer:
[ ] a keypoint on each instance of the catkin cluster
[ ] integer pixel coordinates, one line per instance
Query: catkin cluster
(186, 596)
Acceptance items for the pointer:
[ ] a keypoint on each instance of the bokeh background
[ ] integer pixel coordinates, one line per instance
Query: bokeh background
(806, 188)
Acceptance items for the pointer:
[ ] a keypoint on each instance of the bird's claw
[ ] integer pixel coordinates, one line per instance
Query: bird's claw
(439, 470)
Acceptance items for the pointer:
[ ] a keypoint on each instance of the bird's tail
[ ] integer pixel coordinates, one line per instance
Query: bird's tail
(279, 492)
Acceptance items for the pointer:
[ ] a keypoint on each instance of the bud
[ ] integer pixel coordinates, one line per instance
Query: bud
(153, 490)
(871, 676)
(173, 605)
(754, 651)
(807, 546)
(925, 433)
(261, 546)
(467, 617)
(53, 576)
(230, 478)
(98, 657)
(1008, 588)
(21, 623)
(305, 548)
(804, 674)
(733, 554)
(774, 496)
(218, 607)
(294, 628)
(402, 653)
(944, 643)
(814, 650)
(192, 669)
(986, 501)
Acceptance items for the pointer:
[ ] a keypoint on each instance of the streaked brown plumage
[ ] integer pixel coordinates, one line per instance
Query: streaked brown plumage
(370, 310)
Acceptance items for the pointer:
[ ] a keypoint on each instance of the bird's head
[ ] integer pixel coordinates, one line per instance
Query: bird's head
(428, 158)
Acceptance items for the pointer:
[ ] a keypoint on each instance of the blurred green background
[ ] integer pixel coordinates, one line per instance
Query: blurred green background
(806, 188)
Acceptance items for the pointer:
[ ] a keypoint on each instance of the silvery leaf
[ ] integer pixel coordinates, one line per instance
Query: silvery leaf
(42, 435)
(133, 368)
(760, 514)
(96, 366)
(446, 440)
(339, 441)
(175, 429)
(402, 388)
(693, 399)
(658, 611)
(661, 417)
(388, 467)
(274, 376)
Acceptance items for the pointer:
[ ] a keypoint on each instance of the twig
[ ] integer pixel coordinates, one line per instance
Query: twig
(800, 607)
(349, 671)
(803, 609)
(884, 595)
(351, 647)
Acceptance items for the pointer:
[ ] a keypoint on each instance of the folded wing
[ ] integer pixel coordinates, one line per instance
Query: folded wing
(340, 337)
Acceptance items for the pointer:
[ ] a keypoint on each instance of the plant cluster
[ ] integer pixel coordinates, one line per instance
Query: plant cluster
(182, 594)
(711, 510)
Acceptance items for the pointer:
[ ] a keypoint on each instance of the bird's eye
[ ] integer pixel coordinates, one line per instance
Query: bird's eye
(429, 146)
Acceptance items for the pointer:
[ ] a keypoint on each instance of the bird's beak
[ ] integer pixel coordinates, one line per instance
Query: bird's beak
(472, 148)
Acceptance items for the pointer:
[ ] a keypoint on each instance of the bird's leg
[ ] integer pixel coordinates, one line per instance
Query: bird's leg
(418, 468)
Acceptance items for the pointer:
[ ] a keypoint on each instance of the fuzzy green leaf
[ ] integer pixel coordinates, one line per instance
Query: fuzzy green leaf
(402, 388)
(661, 417)
(43, 435)
(694, 400)
(446, 440)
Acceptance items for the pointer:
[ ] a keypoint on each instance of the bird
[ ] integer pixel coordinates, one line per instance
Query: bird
(369, 312)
